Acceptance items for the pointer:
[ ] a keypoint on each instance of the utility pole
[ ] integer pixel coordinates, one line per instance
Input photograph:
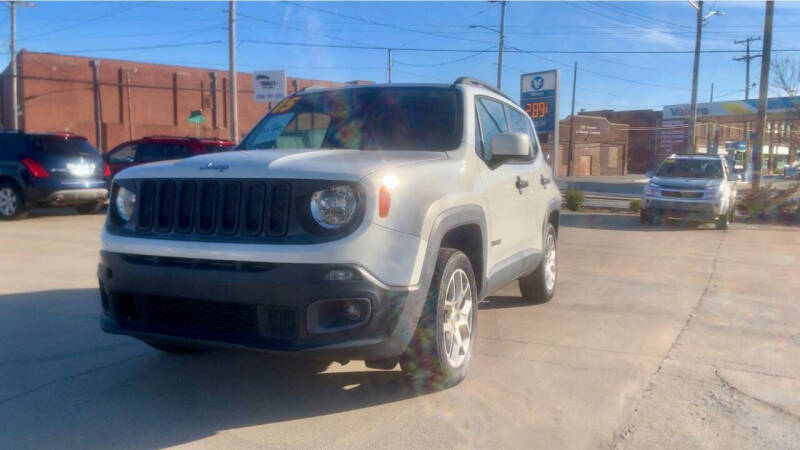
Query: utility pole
(711, 98)
(389, 64)
(572, 121)
(746, 58)
(14, 114)
(693, 108)
(763, 90)
(232, 72)
(502, 38)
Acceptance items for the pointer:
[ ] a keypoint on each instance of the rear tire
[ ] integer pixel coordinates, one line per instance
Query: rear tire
(89, 208)
(12, 203)
(440, 352)
(722, 221)
(540, 285)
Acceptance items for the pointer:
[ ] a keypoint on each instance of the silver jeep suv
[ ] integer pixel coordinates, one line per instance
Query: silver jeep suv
(357, 223)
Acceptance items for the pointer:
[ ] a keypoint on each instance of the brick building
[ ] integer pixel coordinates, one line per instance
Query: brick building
(57, 93)
(600, 147)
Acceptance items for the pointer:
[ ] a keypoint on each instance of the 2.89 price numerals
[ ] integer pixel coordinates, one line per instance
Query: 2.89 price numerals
(537, 110)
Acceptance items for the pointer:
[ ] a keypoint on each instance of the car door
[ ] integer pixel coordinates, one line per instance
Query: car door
(505, 201)
(534, 195)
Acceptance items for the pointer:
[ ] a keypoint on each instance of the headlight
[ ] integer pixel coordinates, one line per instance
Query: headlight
(714, 192)
(334, 207)
(650, 189)
(125, 203)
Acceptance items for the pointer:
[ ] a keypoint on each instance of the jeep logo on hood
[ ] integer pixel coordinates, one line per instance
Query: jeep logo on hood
(219, 168)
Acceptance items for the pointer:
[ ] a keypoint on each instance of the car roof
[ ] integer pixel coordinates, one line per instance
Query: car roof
(714, 157)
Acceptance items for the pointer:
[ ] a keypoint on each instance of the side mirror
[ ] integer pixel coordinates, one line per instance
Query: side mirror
(506, 146)
(650, 173)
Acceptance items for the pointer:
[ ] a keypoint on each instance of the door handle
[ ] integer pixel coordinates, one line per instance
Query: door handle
(545, 181)
(521, 183)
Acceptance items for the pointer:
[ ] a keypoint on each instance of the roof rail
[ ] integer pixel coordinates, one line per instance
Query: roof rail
(483, 84)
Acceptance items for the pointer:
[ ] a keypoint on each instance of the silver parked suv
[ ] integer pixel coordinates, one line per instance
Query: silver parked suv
(357, 223)
(692, 187)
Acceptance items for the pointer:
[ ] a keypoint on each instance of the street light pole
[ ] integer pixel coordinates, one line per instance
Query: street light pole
(500, 49)
(693, 108)
(761, 123)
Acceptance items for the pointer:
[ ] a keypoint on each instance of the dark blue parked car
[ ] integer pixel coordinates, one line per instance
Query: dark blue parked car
(56, 169)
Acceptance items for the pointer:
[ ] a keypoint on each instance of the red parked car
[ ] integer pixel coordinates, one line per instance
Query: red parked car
(160, 148)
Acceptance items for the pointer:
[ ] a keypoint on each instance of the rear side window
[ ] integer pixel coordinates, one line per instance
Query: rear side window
(57, 145)
(492, 121)
(122, 155)
(150, 152)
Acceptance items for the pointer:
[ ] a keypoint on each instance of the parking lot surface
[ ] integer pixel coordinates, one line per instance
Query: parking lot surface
(658, 337)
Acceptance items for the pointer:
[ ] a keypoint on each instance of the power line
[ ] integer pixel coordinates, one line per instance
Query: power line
(444, 63)
(507, 50)
(143, 47)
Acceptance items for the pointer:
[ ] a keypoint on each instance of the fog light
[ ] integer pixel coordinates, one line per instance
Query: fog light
(340, 275)
(352, 311)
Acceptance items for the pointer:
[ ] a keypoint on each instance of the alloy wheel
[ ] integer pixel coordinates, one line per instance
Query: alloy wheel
(550, 263)
(8, 201)
(457, 323)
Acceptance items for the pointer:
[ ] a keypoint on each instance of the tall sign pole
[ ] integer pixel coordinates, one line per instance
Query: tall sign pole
(763, 89)
(539, 98)
(232, 72)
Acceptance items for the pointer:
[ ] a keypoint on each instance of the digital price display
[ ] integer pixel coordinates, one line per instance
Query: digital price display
(538, 96)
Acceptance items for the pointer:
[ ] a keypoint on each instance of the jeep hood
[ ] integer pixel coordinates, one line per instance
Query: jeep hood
(349, 165)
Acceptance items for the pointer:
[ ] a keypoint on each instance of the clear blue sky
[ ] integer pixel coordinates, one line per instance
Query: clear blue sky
(195, 34)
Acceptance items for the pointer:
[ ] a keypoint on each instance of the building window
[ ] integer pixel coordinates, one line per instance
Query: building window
(613, 157)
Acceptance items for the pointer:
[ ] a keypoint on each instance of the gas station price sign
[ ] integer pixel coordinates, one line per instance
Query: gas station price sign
(539, 98)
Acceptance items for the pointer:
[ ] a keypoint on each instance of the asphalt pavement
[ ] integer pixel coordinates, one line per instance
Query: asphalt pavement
(658, 337)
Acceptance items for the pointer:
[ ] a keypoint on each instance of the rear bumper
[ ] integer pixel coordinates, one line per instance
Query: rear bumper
(256, 305)
(689, 209)
(65, 192)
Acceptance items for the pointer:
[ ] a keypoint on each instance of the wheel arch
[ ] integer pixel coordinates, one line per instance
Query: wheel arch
(462, 228)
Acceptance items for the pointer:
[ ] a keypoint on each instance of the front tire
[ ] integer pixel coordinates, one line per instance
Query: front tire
(12, 204)
(540, 285)
(440, 352)
(722, 221)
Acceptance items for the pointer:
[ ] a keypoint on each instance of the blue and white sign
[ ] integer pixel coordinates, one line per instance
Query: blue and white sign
(775, 105)
(539, 98)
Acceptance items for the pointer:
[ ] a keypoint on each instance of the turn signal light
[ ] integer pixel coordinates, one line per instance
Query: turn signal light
(384, 201)
(35, 168)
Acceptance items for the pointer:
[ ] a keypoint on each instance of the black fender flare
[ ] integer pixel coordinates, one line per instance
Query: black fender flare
(447, 220)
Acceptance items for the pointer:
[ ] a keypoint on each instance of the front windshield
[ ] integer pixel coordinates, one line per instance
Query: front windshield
(690, 168)
(386, 118)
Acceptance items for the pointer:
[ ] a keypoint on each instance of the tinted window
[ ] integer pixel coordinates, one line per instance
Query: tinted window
(57, 145)
(493, 121)
(176, 151)
(386, 118)
(159, 152)
(122, 155)
(690, 168)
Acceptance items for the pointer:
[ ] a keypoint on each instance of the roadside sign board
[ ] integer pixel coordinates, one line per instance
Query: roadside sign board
(269, 85)
(539, 98)
(733, 108)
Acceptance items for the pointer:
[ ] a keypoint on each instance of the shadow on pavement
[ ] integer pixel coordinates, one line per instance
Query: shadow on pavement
(627, 222)
(503, 302)
(138, 397)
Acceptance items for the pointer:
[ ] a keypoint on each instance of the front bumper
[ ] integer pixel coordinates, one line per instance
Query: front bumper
(257, 305)
(700, 209)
